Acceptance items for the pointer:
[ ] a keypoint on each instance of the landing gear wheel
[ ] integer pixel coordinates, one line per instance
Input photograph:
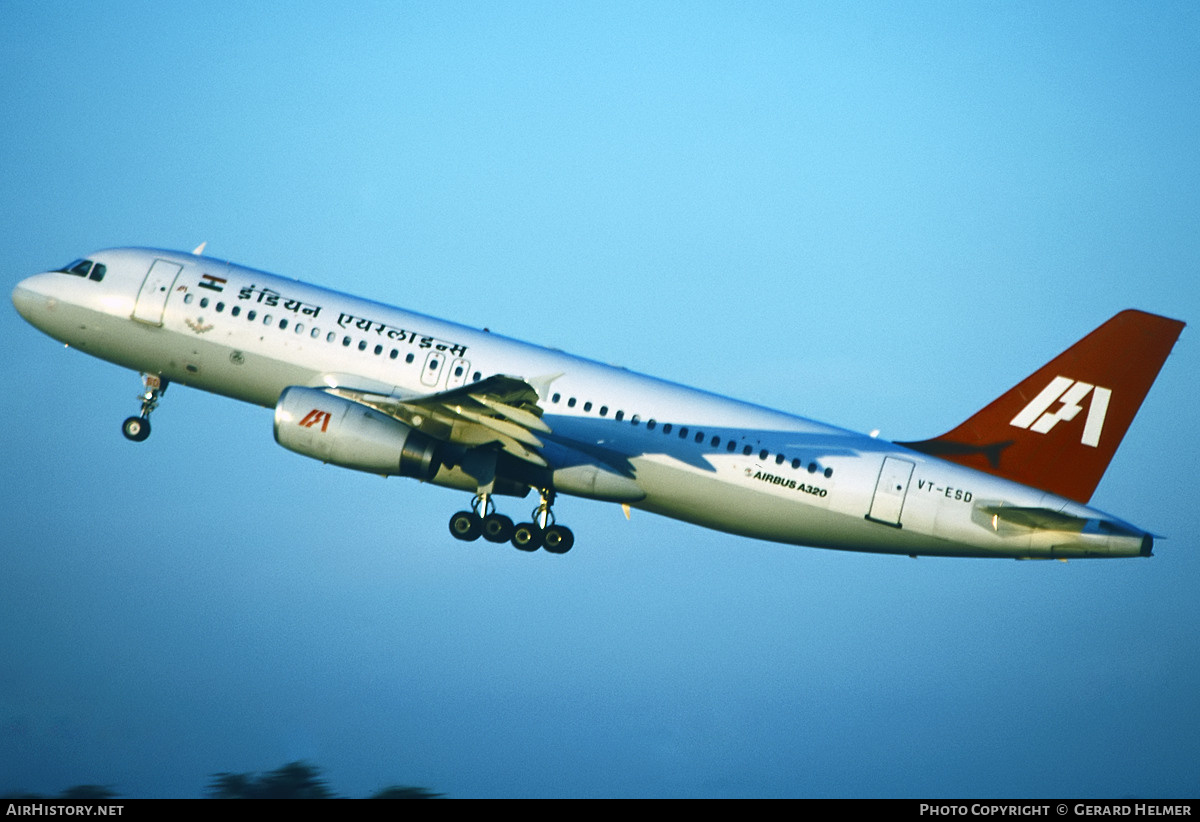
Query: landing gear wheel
(136, 428)
(465, 525)
(527, 537)
(497, 528)
(558, 539)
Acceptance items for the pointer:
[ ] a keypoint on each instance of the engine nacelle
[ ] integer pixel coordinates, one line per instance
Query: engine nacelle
(332, 429)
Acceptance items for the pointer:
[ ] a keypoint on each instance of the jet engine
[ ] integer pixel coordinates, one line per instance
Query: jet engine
(332, 429)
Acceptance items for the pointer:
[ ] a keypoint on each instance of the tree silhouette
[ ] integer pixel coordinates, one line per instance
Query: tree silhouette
(88, 792)
(295, 780)
(404, 792)
(74, 792)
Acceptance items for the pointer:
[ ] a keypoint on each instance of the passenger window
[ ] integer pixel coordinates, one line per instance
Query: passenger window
(731, 446)
(796, 462)
(747, 450)
(266, 319)
(779, 459)
(237, 309)
(587, 406)
(409, 358)
(346, 342)
(331, 336)
(394, 354)
(188, 298)
(203, 302)
(620, 415)
(571, 403)
(362, 345)
(378, 350)
(667, 428)
(283, 323)
(650, 425)
(220, 307)
(683, 433)
(700, 437)
(250, 315)
(763, 454)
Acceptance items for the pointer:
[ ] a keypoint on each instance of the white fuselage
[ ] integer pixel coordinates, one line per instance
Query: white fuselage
(694, 456)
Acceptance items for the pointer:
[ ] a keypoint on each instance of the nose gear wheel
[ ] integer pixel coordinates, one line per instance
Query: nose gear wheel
(137, 429)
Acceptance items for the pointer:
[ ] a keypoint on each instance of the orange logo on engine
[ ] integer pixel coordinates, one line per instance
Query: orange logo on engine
(315, 416)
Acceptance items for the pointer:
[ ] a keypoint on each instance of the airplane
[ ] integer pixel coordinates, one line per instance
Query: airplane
(386, 391)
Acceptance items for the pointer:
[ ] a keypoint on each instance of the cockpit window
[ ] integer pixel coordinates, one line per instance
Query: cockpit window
(80, 268)
(86, 268)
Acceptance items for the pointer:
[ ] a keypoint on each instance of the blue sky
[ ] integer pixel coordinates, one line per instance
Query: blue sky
(878, 215)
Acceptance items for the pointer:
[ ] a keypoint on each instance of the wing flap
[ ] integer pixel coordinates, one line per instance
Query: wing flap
(500, 426)
(520, 416)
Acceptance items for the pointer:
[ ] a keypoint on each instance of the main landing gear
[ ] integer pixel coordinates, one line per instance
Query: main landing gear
(138, 428)
(542, 532)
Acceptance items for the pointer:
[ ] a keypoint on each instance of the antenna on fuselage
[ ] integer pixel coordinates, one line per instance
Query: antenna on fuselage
(198, 250)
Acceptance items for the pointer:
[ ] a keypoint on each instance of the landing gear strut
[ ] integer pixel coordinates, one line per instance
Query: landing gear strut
(138, 428)
(542, 532)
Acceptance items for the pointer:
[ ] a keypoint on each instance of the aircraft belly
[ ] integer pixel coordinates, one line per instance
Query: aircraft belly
(759, 509)
(933, 524)
(184, 358)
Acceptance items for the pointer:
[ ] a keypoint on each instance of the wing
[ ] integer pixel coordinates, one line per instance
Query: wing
(500, 409)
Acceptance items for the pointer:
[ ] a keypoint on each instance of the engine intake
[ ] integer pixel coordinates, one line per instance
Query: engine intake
(332, 429)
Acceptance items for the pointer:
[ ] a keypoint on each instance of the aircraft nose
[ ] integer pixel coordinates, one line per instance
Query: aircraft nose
(32, 299)
(23, 299)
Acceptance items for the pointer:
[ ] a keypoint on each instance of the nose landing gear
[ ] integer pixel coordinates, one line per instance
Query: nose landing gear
(137, 429)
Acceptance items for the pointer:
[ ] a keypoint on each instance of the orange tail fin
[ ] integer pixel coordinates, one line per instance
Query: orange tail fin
(1059, 428)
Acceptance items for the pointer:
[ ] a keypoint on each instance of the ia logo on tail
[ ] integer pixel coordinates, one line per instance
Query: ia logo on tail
(1037, 415)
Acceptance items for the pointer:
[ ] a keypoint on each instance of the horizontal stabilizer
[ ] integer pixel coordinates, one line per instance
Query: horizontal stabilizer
(1046, 519)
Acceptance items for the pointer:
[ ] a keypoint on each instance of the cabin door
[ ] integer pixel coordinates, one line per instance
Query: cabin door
(152, 299)
(890, 490)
